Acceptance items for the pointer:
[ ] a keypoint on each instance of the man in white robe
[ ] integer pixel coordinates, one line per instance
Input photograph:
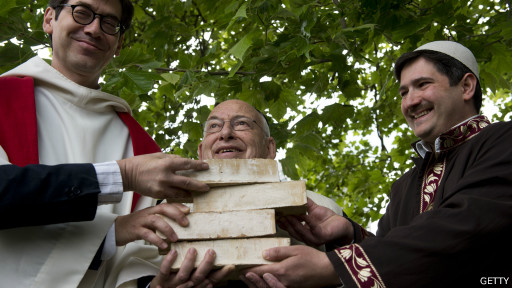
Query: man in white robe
(76, 123)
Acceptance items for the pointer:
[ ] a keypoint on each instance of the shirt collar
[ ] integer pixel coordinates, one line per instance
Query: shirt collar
(422, 148)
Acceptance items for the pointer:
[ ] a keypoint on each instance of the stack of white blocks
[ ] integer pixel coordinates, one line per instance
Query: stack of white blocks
(237, 216)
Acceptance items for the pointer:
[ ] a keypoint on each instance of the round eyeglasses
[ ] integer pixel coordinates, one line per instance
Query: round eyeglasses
(84, 15)
(237, 124)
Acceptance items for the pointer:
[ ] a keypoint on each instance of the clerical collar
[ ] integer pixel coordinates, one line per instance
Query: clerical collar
(454, 136)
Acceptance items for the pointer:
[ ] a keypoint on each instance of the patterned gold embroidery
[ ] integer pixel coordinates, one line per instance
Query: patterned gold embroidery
(359, 266)
(448, 140)
(463, 132)
(431, 182)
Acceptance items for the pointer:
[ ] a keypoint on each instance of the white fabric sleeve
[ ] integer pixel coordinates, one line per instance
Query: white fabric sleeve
(110, 182)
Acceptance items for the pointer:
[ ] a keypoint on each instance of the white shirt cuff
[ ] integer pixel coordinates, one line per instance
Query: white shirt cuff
(110, 182)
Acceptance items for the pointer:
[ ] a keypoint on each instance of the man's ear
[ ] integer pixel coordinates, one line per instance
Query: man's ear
(468, 85)
(200, 151)
(49, 15)
(271, 148)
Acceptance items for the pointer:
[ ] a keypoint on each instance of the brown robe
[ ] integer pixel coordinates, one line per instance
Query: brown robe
(449, 220)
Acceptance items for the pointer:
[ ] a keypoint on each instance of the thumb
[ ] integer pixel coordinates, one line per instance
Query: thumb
(311, 205)
(278, 253)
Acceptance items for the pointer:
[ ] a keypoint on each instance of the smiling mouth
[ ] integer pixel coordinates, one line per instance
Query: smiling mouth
(421, 114)
(227, 151)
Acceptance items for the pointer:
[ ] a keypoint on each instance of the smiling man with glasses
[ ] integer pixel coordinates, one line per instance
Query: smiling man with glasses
(239, 123)
(84, 15)
(83, 46)
(247, 135)
(60, 115)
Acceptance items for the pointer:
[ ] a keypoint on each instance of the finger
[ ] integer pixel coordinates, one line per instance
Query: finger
(165, 228)
(253, 280)
(187, 184)
(311, 205)
(187, 284)
(261, 269)
(272, 281)
(165, 267)
(206, 283)
(187, 266)
(174, 212)
(220, 274)
(300, 231)
(204, 267)
(285, 224)
(317, 212)
(278, 254)
(151, 237)
(304, 232)
(189, 164)
(182, 207)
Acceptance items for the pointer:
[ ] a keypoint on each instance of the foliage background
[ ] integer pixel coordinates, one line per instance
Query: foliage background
(322, 71)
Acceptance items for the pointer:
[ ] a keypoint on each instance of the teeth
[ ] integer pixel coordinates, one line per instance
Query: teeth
(421, 114)
(228, 150)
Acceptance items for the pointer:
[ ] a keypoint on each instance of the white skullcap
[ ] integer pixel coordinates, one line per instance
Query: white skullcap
(455, 50)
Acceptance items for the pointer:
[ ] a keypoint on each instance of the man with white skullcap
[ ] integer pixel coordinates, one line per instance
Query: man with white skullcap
(449, 219)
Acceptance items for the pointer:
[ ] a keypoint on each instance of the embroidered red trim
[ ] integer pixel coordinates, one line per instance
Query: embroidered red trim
(448, 140)
(431, 181)
(462, 133)
(360, 267)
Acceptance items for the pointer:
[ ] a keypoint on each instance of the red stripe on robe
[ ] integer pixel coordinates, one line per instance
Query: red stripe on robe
(141, 141)
(18, 125)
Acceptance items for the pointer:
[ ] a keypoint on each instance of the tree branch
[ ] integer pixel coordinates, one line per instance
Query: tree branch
(199, 12)
(214, 73)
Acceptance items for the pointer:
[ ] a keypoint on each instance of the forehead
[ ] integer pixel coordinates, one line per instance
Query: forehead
(419, 68)
(107, 7)
(229, 109)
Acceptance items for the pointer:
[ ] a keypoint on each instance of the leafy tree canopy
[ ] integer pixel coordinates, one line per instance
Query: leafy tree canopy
(322, 71)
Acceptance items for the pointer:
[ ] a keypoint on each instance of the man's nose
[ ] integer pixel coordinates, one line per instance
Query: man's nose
(226, 131)
(94, 27)
(412, 99)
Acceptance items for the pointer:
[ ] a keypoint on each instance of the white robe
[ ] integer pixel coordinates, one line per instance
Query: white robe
(75, 124)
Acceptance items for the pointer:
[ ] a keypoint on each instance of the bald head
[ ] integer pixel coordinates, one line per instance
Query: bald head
(230, 143)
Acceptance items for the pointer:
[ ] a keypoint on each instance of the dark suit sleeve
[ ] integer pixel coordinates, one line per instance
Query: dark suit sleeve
(41, 194)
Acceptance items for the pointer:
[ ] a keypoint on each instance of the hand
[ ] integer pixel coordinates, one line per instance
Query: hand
(267, 280)
(299, 266)
(154, 175)
(187, 276)
(318, 227)
(144, 223)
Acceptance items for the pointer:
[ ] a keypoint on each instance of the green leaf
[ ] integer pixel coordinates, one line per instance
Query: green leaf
(171, 78)
(289, 168)
(240, 14)
(239, 49)
(337, 114)
(139, 81)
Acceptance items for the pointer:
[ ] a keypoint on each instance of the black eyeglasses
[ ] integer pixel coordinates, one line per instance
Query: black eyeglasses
(237, 124)
(84, 15)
